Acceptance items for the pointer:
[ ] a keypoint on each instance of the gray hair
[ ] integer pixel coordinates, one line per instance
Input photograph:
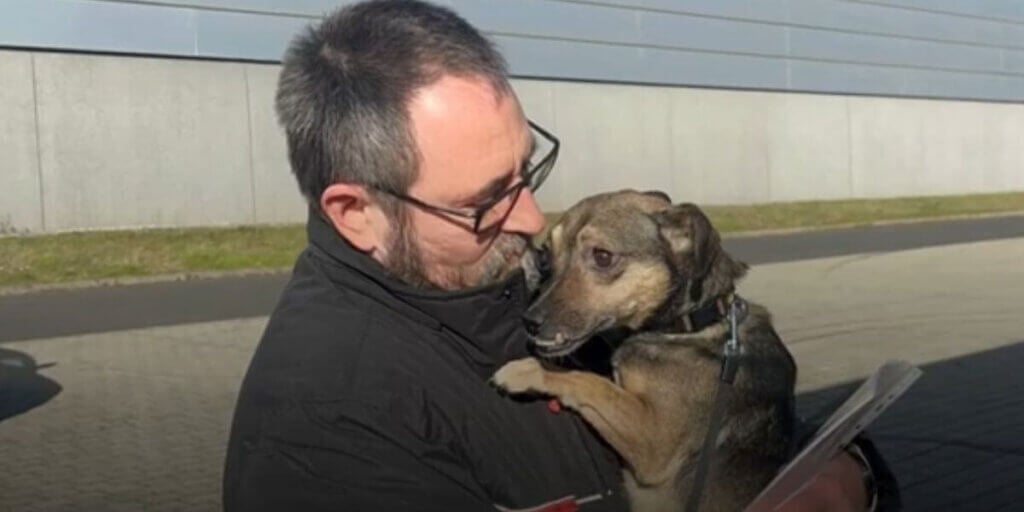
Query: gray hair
(345, 84)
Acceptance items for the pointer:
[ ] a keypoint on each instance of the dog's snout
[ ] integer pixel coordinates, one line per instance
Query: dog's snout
(533, 320)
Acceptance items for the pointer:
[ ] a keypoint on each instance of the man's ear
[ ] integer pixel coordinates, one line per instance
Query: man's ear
(690, 236)
(355, 215)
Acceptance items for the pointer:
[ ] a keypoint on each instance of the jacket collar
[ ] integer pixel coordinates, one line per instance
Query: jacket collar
(485, 321)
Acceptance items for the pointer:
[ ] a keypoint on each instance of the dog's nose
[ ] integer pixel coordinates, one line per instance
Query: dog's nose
(544, 261)
(532, 321)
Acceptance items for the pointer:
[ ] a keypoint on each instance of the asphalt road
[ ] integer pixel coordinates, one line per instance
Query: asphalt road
(55, 313)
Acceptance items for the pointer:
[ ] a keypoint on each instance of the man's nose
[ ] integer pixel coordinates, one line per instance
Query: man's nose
(525, 217)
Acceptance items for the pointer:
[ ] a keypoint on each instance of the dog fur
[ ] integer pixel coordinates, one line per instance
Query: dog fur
(632, 262)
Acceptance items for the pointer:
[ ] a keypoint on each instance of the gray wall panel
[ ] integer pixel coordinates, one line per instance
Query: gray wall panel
(103, 26)
(617, 25)
(758, 10)
(227, 34)
(845, 78)
(879, 19)
(960, 85)
(591, 61)
(1014, 61)
(286, 7)
(734, 44)
(1014, 35)
(713, 34)
(871, 49)
(553, 19)
(994, 9)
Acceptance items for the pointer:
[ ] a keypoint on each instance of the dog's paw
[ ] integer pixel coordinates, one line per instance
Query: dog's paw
(520, 376)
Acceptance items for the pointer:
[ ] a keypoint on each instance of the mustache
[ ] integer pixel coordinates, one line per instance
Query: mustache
(506, 255)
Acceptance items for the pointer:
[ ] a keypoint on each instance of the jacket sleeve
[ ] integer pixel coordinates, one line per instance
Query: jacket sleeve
(355, 460)
(887, 488)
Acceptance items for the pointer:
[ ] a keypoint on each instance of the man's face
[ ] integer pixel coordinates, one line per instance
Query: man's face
(473, 145)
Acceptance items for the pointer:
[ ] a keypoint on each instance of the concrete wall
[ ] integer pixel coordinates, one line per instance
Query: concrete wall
(109, 142)
(929, 48)
(20, 197)
(98, 142)
(727, 147)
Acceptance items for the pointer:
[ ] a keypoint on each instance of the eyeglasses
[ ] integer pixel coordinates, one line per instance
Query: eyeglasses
(497, 209)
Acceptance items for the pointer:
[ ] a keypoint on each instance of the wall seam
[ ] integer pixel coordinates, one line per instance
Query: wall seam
(39, 146)
(252, 159)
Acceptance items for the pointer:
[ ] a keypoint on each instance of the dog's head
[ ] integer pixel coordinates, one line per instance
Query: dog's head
(623, 260)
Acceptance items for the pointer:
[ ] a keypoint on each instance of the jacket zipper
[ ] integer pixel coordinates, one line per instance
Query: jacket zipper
(606, 489)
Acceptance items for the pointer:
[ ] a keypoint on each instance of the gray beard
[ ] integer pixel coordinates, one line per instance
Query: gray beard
(405, 262)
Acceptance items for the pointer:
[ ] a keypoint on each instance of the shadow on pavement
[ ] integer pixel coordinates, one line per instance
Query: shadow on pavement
(955, 440)
(22, 387)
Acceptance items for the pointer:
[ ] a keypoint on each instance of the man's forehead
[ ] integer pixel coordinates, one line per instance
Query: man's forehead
(452, 96)
(466, 136)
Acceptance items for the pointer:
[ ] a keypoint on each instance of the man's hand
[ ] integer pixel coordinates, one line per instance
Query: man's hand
(838, 488)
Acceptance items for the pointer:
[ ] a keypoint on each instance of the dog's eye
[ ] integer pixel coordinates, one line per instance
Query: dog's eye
(603, 258)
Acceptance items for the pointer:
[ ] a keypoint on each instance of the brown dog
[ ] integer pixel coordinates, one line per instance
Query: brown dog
(633, 262)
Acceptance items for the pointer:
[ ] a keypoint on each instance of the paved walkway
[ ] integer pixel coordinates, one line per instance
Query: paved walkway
(141, 421)
(955, 440)
(140, 424)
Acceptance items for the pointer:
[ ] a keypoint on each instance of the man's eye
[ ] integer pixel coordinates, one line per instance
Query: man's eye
(482, 204)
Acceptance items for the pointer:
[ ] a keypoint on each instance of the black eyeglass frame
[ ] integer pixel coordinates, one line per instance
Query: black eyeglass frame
(543, 168)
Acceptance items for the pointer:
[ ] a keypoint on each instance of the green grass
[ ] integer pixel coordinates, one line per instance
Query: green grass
(30, 260)
(857, 212)
(58, 258)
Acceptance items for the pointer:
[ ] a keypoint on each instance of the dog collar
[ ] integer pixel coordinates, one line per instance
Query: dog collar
(711, 313)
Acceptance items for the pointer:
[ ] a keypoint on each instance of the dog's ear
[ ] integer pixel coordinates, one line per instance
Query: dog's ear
(689, 235)
(695, 242)
(697, 251)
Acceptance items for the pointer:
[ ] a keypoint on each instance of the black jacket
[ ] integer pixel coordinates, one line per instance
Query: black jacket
(367, 394)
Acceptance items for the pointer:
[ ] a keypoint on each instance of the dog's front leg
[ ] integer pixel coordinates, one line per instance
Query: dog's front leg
(622, 418)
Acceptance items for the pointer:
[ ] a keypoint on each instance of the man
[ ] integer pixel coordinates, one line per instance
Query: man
(369, 389)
